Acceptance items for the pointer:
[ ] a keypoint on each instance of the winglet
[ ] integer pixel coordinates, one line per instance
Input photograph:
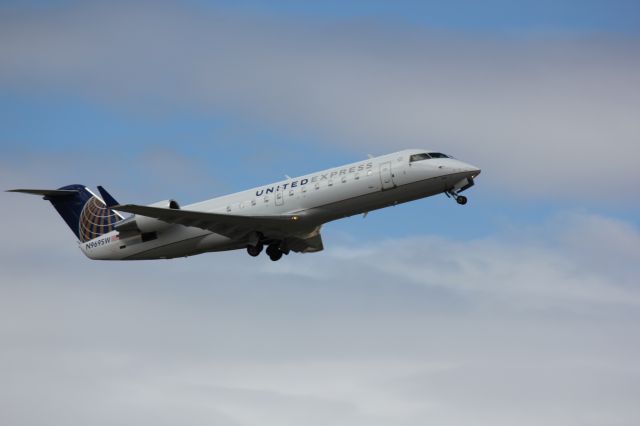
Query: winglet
(108, 199)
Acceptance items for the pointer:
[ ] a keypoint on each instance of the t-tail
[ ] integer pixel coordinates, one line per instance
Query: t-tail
(86, 214)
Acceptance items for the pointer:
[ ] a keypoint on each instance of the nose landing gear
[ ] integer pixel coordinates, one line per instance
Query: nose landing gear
(460, 199)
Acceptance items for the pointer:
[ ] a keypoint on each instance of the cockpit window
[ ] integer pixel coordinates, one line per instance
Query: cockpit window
(438, 155)
(419, 157)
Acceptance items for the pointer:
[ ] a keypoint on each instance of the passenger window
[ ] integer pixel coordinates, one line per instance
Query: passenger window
(317, 185)
(253, 202)
(344, 179)
(291, 193)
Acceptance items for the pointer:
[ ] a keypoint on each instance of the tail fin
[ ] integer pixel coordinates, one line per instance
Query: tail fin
(85, 213)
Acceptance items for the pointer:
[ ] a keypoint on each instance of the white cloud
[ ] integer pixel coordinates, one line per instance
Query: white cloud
(550, 116)
(525, 327)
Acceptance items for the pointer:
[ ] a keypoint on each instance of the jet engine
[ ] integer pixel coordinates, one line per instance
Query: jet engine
(144, 224)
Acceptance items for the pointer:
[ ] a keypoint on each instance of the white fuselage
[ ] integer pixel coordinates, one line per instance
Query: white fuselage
(320, 197)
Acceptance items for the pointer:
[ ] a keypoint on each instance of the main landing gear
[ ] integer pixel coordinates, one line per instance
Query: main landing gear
(460, 199)
(273, 251)
(255, 250)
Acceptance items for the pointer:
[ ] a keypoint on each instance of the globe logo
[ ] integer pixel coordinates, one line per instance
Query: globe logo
(95, 220)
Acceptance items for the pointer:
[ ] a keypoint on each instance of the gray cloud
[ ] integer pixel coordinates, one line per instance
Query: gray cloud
(535, 326)
(546, 116)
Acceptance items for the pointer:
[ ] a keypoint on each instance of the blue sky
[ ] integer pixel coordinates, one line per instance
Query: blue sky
(496, 16)
(523, 301)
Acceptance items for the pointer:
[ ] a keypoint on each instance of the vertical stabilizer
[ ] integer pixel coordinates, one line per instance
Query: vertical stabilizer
(85, 213)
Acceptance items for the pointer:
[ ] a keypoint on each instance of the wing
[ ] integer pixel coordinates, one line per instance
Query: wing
(300, 235)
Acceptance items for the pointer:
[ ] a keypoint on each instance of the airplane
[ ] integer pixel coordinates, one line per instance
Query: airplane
(284, 216)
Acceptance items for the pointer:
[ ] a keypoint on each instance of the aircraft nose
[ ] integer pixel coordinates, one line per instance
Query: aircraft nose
(471, 169)
(474, 170)
(457, 166)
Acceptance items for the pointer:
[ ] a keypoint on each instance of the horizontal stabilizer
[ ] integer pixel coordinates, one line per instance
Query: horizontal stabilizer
(46, 192)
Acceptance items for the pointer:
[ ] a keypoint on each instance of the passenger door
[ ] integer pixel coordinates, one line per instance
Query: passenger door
(279, 196)
(385, 175)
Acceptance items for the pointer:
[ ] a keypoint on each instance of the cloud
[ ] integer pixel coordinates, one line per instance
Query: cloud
(534, 325)
(548, 116)
(577, 259)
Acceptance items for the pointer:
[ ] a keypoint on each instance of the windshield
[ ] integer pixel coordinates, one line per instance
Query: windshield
(425, 156)
(438, 155)
(419, 157)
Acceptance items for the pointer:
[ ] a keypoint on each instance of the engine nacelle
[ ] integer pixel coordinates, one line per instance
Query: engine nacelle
(149, 224)
(166, 204)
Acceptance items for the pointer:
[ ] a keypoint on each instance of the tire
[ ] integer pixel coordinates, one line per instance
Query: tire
(276, 256)
(274, 252)
(254, 250)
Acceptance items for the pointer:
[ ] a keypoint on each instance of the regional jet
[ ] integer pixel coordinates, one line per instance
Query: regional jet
(284, 216)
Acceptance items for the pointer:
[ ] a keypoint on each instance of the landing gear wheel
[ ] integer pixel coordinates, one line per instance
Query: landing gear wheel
(274, 252)
(461, 199)
(254, 250)
(276, 256)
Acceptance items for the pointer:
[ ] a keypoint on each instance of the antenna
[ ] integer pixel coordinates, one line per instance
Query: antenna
(369, 155)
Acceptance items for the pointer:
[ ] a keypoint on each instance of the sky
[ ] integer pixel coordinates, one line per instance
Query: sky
(521, 307)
